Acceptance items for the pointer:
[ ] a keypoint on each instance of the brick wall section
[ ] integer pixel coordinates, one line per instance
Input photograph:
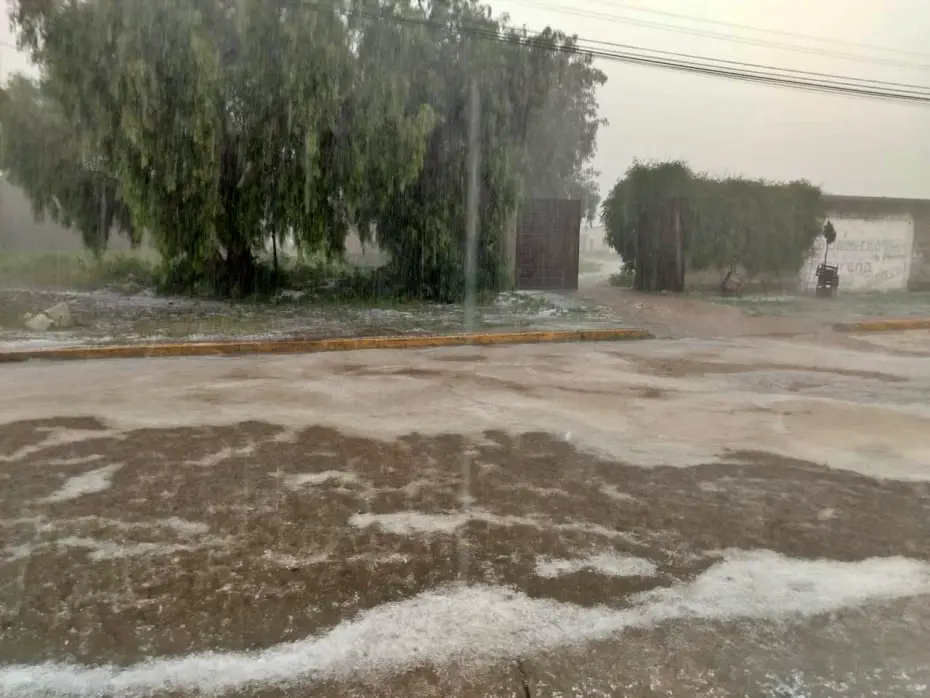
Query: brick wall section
(919, 209)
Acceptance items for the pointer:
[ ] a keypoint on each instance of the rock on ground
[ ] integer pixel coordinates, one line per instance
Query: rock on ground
(40, 322)
(60, 315)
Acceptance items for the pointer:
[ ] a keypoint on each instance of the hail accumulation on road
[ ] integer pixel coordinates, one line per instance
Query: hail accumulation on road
(705, 517)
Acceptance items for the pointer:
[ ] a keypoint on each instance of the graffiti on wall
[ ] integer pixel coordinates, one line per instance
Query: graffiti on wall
(873, 254)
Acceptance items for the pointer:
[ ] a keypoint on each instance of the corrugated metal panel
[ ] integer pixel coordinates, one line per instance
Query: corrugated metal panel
(548, 235)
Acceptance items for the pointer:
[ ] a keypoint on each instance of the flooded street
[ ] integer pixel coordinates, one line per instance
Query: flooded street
(408, 441)
(728, 517)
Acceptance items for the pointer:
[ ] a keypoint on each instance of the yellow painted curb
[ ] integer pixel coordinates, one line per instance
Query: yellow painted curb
(309, 346)
(883, 325)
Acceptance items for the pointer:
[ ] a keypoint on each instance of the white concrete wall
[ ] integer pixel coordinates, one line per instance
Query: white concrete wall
(592, 240)
(873, 254)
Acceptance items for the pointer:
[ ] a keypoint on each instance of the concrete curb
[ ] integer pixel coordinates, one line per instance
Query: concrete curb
(310, 346)
(883, 325)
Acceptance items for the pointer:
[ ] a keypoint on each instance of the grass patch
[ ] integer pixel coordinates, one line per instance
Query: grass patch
(305, 296)
(622, 279)
(297, 280)
(78, 270)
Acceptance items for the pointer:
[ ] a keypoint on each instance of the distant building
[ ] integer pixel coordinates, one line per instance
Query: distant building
(592, 240)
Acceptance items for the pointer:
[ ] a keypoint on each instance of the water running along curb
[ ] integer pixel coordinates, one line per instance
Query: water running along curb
(883, 325)
(310, 346)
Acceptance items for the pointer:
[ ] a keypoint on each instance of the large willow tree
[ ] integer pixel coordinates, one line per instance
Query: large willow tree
(222, 124)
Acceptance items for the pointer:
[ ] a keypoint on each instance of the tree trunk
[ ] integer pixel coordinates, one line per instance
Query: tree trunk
(274, 252)
(660, 258)
(240, 272)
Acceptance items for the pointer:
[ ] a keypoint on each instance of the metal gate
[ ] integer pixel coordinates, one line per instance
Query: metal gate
(548, 237)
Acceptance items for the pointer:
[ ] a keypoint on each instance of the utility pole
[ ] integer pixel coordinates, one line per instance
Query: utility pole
(471, 207)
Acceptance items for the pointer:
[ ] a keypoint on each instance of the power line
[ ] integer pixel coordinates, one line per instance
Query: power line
(842, 78)
(774, 77)
(771, 78)
(748, 41)
(764, 30)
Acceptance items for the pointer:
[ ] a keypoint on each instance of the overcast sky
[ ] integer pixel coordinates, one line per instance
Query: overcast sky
(846, 145)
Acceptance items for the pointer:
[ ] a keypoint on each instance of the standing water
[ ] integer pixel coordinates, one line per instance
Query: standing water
(471, 263)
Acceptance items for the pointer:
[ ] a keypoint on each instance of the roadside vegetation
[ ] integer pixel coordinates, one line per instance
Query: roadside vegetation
(222, 131)
(730, 225)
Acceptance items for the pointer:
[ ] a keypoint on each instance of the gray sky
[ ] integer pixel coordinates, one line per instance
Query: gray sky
(846, 145)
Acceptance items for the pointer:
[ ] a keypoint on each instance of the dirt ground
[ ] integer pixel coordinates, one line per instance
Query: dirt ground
(713, 517)
(709, 315)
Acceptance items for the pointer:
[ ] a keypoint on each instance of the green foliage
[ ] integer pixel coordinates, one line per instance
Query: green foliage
(537, 116)
(635, 204)
(622, 279)
(42, 153)
(221, 124)
(421, 225)
(561, 135)
(760, 226)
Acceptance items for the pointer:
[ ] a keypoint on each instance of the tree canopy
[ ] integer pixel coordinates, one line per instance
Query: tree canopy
(217, 125)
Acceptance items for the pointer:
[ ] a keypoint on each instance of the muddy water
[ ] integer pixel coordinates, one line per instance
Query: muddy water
(154, 509)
